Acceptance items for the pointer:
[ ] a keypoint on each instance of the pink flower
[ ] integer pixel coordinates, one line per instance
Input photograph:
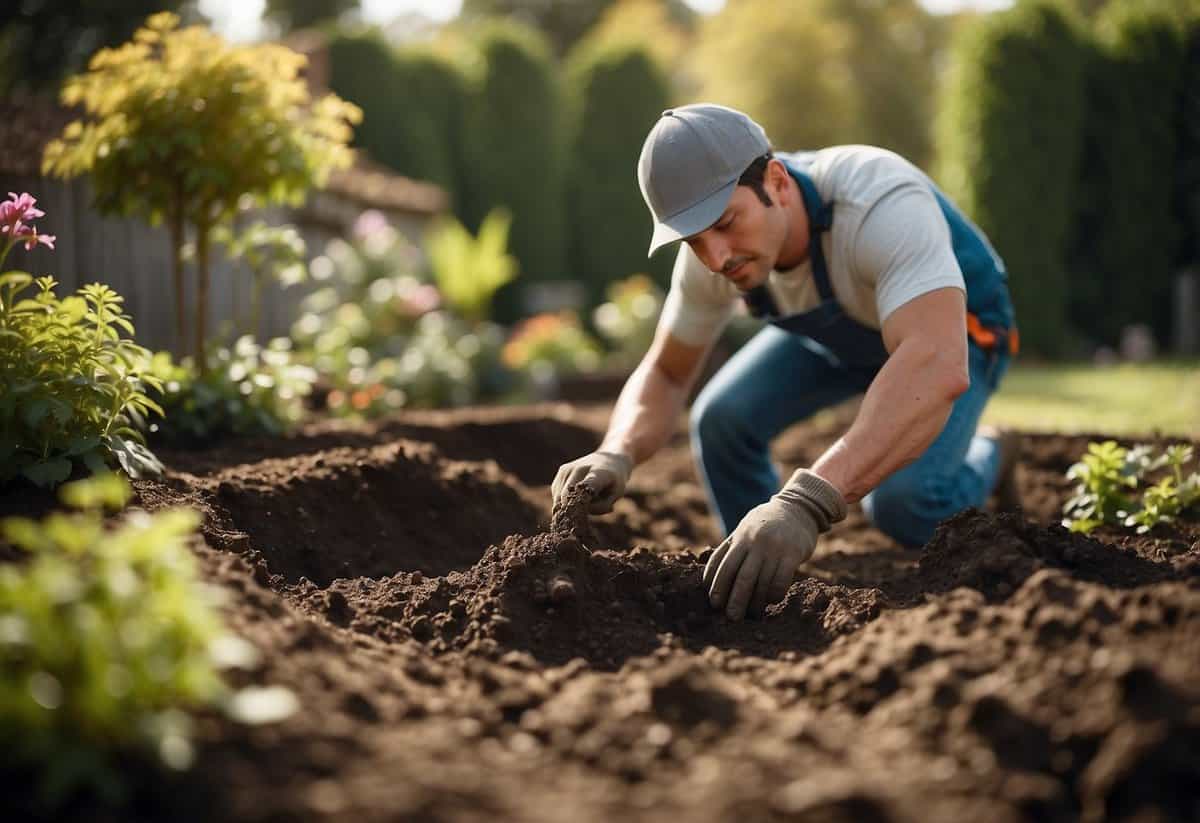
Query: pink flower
(32, 238)
(15, 216)
(368, 223)
(20, 209)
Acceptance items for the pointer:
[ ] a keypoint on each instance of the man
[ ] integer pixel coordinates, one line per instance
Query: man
(871, 281)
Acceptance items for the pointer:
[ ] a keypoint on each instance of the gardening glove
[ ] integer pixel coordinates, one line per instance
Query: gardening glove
(605, 473)
(755, 564)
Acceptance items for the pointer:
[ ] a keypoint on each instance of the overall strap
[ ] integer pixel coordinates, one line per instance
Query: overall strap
(820, 220)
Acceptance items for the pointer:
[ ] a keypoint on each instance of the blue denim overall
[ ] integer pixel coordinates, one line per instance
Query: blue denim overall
(801, 363)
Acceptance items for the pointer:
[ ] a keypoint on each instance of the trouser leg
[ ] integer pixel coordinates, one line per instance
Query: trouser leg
(773, 381)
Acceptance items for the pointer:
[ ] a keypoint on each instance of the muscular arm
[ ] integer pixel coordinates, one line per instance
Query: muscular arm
(910, 399)
(647, 410)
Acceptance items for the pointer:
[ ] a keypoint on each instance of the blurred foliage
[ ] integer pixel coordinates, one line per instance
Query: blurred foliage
(821, 72)
(412, 100)
(469, 269)
(289, 15)
(107, 636)
(628, 319)
(379, 335)
(1009, 135)
(270, 253)
(43, 42)
(1126, 237)
(548, 346)
(70, 384)
(183, 127)
(616, 92)
(248, 388)
(513, 146)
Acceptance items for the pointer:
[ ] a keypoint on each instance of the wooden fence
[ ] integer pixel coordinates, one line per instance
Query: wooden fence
(134, 258)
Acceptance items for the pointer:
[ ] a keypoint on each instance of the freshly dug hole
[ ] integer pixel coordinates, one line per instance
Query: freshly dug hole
(369, 512)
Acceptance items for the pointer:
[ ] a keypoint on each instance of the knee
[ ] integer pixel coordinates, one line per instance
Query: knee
(715, 417)
(908, 508)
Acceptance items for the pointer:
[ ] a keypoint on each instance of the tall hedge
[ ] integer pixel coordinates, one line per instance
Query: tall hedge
(513, 143)
(1127, 235)
(1187, 180)
(615, 93)
(1008, 135)
(412, 105)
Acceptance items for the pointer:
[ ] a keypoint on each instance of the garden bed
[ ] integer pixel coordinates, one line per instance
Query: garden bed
(457, 656)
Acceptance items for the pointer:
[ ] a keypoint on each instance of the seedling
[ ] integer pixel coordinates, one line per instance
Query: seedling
(1109, 476)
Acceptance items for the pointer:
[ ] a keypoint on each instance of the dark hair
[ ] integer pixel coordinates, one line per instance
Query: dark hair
(753, 177)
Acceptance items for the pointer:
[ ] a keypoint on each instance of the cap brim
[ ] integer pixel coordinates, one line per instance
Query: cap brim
(692, 220)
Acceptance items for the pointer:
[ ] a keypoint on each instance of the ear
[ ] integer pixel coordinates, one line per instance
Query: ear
(776, 179)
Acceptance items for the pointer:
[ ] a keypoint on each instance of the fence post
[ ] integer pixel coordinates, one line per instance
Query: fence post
(1187, 312)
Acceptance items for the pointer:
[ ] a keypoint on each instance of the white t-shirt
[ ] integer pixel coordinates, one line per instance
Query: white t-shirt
(889, 244)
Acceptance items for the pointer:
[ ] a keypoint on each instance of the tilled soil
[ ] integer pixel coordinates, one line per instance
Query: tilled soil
(462, 655)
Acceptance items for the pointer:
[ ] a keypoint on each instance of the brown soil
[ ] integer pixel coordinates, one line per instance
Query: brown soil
(461, 656)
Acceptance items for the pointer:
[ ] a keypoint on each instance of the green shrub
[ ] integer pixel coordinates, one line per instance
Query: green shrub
(249, 388)
(547, 346)
(411, 100)
(616, 93)
(1008, 137)
(70, 385)
(106, 638)
(1126, 235)
(1187, 179)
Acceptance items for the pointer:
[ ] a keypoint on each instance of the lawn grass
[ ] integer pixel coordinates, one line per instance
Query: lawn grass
(1124, 399)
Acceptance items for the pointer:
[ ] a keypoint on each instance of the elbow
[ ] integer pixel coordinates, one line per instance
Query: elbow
(947, 370)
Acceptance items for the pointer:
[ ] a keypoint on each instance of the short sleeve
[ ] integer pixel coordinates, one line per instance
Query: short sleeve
(699, 303)
(903, 248)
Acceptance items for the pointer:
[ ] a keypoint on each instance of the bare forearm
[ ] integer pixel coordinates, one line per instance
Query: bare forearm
(904, 410)
(646, 413)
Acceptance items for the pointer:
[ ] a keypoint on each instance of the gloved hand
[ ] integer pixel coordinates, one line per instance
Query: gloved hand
(755, 564)
(606, 473)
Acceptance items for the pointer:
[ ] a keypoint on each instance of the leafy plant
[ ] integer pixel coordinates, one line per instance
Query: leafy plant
(468, 270)
(247, 389)
(1108, 476)
(106, 638)
(183, 127)
(70, 385)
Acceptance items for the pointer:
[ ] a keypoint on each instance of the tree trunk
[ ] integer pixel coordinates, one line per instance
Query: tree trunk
(202, 232)
(175, 226)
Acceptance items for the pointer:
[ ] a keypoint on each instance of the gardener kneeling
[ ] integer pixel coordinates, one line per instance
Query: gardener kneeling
(870, 279)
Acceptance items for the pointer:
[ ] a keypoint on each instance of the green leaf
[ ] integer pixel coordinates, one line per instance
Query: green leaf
(48, 473)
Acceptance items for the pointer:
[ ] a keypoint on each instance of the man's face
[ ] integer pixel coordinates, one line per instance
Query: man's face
(745, 242)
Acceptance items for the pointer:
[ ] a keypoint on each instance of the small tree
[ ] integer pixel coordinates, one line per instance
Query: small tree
(182, 126)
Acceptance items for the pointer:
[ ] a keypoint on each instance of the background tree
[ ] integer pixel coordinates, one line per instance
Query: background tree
(615, 92)
(512, 146)
(563, 23)
(42, 41)
(181, 126)
(1008, 136)
(818, 72)
(290, 15)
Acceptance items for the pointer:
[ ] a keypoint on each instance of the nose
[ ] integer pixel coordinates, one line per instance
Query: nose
(712, 251)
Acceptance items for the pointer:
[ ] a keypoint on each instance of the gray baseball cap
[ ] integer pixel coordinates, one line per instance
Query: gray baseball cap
(690, 165)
